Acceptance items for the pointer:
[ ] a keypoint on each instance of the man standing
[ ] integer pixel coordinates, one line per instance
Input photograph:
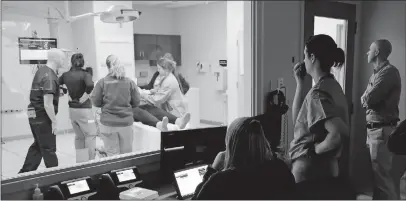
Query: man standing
(42, 110)
(381, 101)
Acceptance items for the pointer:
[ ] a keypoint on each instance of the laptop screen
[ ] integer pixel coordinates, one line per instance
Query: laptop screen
(188, 179)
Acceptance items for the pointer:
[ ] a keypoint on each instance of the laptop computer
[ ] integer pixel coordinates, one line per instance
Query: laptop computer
(186, 180)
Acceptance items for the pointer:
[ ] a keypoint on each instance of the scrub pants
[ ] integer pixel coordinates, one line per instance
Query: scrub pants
(117, 140)
(386, 167)
(84, 126)
(44, 146)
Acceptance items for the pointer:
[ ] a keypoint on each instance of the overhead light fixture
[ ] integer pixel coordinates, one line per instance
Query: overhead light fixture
(119, 14)
(114, 14)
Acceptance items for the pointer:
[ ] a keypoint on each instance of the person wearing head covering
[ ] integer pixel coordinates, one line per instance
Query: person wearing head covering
(248, 169)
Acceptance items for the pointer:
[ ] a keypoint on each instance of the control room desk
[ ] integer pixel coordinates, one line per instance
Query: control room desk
(166, 192)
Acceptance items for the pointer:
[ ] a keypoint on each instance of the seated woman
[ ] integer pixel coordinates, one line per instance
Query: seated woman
(166, 94)
(248, 169)
(183, 84)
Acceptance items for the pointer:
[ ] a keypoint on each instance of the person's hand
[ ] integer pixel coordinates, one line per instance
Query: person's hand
(299, 73)
(218, 163)
(54, 127)
(311, 150)
(84, 98)
(152, 91)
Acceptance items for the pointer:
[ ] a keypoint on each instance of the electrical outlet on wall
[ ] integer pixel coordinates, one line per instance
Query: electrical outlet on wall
(280, 82)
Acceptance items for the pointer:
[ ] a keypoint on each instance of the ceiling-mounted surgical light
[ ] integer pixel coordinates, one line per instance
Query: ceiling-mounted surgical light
(119, 14)
(114, 14)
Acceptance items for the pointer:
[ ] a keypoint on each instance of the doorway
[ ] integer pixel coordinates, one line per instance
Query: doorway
(337, 20)
(337, 29)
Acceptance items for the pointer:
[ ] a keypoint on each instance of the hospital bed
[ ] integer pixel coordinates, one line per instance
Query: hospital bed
(148, 138)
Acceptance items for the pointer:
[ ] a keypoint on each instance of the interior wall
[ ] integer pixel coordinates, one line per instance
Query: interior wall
(203, 30)
(113, 39)
(19, 19)
(248, 67)
(83, 33)
(235, 28)
(153, 20)
(277, 47)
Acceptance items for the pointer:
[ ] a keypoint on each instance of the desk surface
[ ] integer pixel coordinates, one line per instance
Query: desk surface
(166, 192)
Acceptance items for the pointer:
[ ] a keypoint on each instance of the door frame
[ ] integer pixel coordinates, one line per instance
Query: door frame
(338, 10)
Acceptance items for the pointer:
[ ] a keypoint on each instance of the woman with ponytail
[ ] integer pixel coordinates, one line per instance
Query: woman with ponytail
(319, 149)
(79, 85)
(116, 95)
(248, 169)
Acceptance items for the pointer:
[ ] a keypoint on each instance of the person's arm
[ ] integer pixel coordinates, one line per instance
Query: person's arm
(49, 107)
(184, 83)
(210, 171)
(208, 189)
(50, 88)
(89, 83)
(382, 84)
(97, 94)
(135, 95)
(335, 128)
(150, 85)
(163, 93)
(322, 117)
(89, 87)
(61, 82)
(297, 102)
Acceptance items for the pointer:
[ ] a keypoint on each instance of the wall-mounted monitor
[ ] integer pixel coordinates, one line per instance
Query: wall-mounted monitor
(34, 50)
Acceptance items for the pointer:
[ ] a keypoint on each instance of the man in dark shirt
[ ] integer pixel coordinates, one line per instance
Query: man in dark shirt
(42, 110)
(80, 84)
(381, 101)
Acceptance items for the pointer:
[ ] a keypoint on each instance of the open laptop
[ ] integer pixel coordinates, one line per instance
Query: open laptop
(186, 180)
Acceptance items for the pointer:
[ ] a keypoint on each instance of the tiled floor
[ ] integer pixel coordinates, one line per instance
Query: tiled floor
(14, 152)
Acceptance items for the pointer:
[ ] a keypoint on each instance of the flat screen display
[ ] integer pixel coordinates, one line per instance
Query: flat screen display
(126, 175)
(34, 50)
(78, 186)
(187, 180)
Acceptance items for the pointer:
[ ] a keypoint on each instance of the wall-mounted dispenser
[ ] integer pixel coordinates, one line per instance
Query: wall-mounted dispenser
(202, 67)
(220, 74)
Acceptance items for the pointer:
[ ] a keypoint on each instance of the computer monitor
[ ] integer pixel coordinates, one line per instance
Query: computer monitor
(187, 180)
(183, 148)
(34, 50)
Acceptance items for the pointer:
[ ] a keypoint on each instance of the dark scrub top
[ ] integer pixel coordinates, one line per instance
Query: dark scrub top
(45, 82)
(78, 82)
(325, 100)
